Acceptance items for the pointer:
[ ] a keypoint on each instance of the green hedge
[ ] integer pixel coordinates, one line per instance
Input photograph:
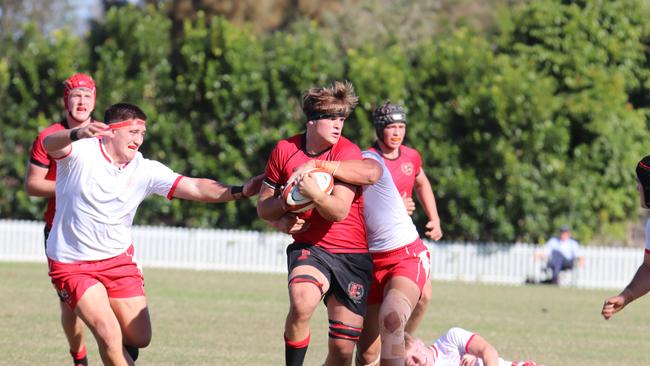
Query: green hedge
(537, 124)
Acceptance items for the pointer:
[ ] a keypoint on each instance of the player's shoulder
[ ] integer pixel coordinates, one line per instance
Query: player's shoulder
(54, 127)
(409, 151)
(345, 144)
(291, 143)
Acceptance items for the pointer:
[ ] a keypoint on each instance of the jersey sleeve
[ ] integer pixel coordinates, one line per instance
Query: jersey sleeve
(417, 162)
(163, 181)
(273, 170)
(38, 155)
(460, 338)
(347, 151)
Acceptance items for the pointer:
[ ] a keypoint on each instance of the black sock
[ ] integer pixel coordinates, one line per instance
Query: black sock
(132, 351)
(294, 352)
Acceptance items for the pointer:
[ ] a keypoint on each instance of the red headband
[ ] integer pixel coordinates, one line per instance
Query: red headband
(127, 123)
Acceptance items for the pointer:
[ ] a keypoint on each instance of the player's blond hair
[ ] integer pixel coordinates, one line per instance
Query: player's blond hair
(337, 99)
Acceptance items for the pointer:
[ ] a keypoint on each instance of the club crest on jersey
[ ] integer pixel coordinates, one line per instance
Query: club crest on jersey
(407, 168)
(304, 254)
(355, 291)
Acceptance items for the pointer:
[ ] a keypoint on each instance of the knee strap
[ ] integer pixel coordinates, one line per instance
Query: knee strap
(339, 330)
(134, 352)
(307, 278)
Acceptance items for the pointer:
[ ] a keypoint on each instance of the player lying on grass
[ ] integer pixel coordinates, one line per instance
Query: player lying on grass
(457, 347)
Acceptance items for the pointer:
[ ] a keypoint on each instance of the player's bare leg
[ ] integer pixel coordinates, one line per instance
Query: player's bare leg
(400, 296)
(95, 310)
(306, 287)
(73, 328)
(369, 344)
(133, 315)
(345, 330)
(420, 309)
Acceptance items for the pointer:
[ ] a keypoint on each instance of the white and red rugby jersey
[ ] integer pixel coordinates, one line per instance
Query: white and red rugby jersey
(388, 224)
(347, 236)
(404, 168)
(96, 201)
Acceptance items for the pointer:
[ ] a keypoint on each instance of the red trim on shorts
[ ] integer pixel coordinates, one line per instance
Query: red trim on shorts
(170, 195)
(398, 251)
(647, 250)
(298, 344)
(468, 342)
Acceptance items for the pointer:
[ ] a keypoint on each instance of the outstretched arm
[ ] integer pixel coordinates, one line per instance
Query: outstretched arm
(269, 206)
(208, 190)
(425, 195)
(350, 173)
(480, 348)
(356, 172)
(58, 143)
(639, 286)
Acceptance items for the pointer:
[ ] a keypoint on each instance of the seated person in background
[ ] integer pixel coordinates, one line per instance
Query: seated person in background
(457, 347)
(561, 253)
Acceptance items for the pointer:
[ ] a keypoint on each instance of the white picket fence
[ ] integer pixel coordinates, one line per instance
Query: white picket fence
(250, 251)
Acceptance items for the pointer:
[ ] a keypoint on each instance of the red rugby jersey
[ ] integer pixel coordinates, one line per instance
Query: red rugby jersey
(403, 169)
(347, 236)
(41, 158)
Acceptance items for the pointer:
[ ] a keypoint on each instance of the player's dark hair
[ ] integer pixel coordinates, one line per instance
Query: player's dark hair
(123, 111)
(643, 174)
(336, 100)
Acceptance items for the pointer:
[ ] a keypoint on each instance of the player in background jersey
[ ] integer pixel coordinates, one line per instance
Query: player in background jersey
(79, 95)
(457, 347)
(640, 283)
(401, 261)
(405, 165)
(91, 256)
(329, 259)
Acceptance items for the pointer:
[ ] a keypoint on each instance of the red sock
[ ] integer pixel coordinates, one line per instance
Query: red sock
(80, 357)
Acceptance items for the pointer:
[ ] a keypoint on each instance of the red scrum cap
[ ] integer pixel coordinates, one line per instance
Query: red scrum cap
(77, 81)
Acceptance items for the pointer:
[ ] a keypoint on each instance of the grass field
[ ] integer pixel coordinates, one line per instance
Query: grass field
(227, 318)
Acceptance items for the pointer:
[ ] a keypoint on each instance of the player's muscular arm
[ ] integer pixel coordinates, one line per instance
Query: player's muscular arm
(639, 286)
(36, 184)
(426, 197)
(336, 206)
(58, 143)
(480, 348)
(357, 172)
(269, 206)
(208, 190)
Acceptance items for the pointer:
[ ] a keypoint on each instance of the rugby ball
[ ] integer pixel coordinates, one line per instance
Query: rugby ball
(299, 203)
